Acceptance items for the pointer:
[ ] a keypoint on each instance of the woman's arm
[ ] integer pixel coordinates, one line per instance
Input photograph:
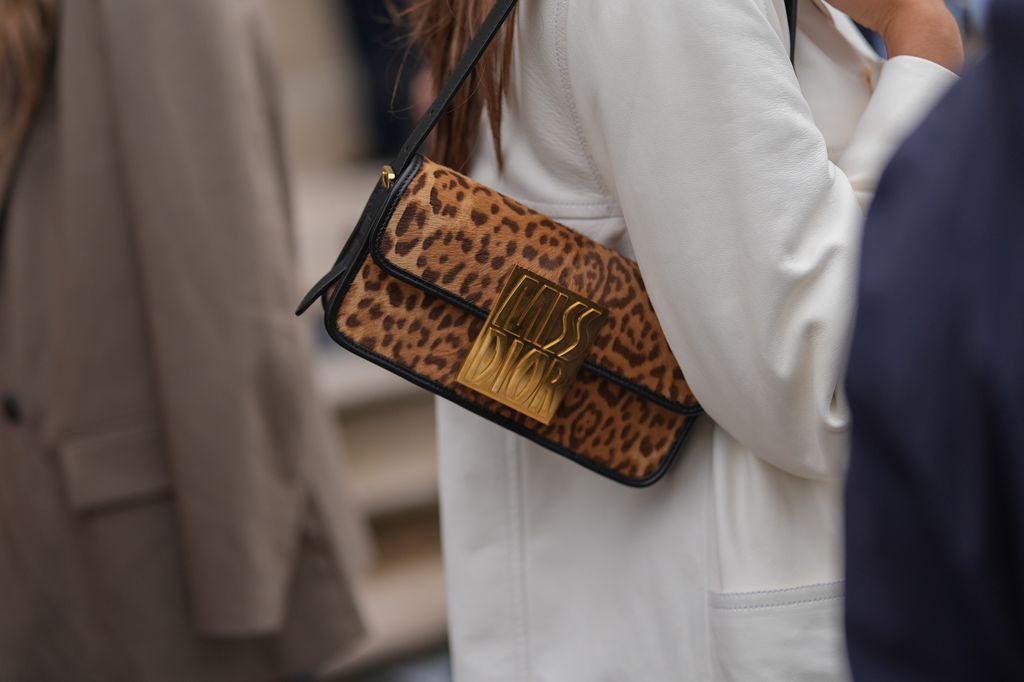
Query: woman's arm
(746, 233)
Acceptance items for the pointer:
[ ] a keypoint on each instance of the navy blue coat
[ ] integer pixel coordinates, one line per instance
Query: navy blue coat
(935, 515)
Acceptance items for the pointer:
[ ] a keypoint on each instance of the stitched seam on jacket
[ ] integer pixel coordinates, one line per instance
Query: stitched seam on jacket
(780, 590)
(779, 604)
(562, 59)
(517, 547)
(524, 574)
(745, 601)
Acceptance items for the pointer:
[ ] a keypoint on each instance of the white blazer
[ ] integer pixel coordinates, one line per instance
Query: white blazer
(677, 132)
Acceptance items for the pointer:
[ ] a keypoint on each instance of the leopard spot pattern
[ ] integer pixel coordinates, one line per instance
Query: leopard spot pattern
(476, 236)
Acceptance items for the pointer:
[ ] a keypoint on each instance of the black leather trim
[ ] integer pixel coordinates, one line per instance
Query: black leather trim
(330, 322)
(463, 304)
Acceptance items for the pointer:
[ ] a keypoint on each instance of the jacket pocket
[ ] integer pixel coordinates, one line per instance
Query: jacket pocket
(113, 468)
(790, 635)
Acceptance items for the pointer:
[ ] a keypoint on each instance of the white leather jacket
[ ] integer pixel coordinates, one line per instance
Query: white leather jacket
(678, 132)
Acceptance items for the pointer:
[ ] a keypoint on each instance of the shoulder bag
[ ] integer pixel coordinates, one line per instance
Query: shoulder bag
(496, 307)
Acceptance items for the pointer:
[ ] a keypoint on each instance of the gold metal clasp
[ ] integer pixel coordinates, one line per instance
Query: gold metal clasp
(387, 177)
(532, 345)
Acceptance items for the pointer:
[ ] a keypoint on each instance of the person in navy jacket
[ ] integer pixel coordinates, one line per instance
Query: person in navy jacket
(935, 494)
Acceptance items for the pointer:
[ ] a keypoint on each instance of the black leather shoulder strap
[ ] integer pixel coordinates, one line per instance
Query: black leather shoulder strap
(481, 41)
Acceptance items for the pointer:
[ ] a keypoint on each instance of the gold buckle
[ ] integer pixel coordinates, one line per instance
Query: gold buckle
(532, 345)
(387, 176)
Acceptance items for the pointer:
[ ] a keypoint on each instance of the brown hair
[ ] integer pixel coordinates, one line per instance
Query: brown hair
(26, 42)
(441, 30)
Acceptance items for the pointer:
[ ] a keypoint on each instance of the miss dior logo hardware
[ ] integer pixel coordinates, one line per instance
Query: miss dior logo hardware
(532, 346)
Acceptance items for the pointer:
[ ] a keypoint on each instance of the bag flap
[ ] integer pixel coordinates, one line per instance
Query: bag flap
(460, 240)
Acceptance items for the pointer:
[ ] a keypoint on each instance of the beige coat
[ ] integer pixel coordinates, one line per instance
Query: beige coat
(169, 503)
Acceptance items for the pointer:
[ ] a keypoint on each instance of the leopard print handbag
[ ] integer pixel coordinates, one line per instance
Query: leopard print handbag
(526, 322)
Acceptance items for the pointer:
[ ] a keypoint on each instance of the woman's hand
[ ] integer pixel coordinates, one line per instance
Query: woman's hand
(921, 28)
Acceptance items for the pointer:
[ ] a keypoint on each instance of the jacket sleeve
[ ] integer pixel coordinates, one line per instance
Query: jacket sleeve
(203, 168)
(746, 233)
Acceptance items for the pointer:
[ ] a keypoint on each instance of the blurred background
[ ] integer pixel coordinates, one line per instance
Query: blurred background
(347, 83)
